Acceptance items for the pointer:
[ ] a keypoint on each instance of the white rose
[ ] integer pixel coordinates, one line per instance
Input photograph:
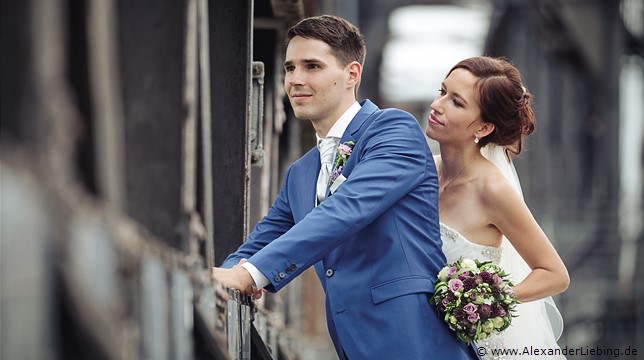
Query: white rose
(468, 265)
(442, 275)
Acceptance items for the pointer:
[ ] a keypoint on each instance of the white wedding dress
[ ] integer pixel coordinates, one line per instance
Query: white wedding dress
(539, 324)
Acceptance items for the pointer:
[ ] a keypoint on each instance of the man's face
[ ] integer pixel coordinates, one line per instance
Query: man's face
(316, 84)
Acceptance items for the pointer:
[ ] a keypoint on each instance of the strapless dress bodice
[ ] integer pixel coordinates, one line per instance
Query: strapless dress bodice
(456, 246)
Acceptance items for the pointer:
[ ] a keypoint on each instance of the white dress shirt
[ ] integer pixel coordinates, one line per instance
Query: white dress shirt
(337, 130)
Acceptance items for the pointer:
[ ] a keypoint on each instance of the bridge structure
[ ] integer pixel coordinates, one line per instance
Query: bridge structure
(140, 142)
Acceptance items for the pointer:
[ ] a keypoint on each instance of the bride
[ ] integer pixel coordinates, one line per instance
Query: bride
(481, 114)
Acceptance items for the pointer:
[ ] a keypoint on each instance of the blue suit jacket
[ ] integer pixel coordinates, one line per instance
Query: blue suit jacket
(375, 242)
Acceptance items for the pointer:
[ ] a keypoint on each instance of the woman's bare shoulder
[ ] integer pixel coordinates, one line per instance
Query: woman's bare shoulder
(496, 188)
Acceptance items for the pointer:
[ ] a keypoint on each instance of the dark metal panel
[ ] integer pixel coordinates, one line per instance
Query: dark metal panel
(230, 37)
(17, 86)
(151, 37)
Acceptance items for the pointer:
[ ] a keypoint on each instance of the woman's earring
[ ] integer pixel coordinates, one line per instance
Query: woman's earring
(476, 139)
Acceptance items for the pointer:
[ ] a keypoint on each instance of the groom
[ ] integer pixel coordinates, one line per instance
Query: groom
(369, 224)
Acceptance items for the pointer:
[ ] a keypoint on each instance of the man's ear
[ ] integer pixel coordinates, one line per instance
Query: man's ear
(355, 73)
(485, 129)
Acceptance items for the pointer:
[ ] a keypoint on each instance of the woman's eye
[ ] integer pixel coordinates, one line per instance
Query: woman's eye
(442, 92)
(457, 103)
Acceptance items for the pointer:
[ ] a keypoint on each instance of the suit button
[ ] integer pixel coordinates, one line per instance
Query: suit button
(291, 268)
(277, 279)
(329, 272)
(281, 275)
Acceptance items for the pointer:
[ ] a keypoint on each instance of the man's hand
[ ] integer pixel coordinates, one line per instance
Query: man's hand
(237, 278)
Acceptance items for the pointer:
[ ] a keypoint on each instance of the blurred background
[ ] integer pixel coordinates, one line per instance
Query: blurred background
(141, 141)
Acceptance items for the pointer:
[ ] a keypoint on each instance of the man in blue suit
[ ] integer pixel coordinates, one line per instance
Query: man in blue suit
(368, 221)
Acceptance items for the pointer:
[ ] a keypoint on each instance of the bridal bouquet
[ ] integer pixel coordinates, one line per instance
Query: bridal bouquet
(474, 298)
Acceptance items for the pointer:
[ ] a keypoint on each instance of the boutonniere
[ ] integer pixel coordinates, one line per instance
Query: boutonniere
(344, 151)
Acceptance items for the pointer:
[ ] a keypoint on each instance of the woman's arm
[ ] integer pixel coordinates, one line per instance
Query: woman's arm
(509, 213)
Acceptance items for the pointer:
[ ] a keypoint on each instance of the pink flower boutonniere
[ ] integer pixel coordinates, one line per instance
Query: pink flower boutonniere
(344, 151)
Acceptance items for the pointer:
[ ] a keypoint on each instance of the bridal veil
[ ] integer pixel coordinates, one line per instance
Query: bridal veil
(541, 315)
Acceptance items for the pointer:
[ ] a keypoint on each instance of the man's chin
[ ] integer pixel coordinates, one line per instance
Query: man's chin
(302, 115)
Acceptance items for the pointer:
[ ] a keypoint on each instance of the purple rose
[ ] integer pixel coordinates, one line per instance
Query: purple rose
(464, 275)
(470, 308)
(451, 271)
(498, 310)
(455, 285)
(487, 277)
(469, 284)
(445, 301)
(473, 317)
(460, 314)
(485, 310)
(497, 279)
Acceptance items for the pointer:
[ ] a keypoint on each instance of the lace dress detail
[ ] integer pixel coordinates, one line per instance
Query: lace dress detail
(492, 253)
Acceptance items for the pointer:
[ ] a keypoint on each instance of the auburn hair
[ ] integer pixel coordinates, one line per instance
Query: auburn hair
(503, 99)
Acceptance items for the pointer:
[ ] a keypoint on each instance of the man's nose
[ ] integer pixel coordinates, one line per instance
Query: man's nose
(296, 77)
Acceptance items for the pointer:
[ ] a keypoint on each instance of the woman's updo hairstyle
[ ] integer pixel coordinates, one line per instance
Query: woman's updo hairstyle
(503, 100)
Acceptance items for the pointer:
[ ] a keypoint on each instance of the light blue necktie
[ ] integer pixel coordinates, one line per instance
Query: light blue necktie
(327, 149)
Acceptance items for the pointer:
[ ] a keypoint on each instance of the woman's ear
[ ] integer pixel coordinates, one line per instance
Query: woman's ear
(485, 129)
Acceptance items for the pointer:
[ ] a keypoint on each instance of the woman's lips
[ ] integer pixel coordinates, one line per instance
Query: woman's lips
(434, 120)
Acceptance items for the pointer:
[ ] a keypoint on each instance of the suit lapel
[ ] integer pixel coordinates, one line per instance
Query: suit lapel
(312, 173)
(352, 133)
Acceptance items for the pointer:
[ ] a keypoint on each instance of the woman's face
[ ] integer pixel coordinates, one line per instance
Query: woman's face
(455, 109)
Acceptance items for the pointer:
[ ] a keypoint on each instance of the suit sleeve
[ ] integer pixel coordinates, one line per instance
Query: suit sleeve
(278, 220)
(392, 159)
